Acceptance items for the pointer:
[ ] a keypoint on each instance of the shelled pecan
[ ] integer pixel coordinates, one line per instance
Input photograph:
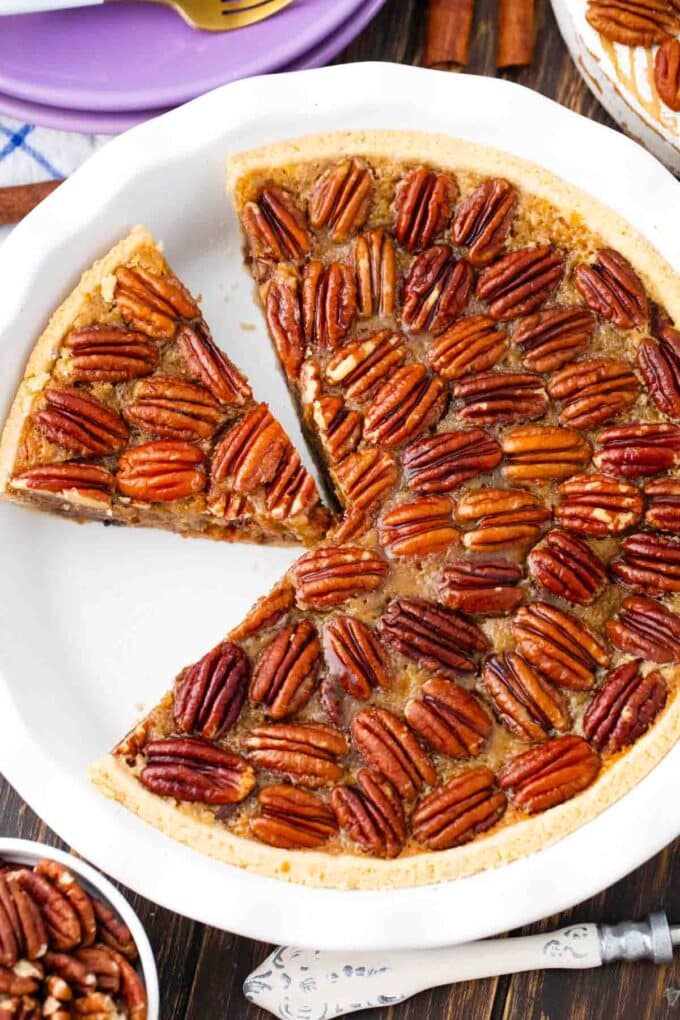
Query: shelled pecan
(386, 743)
(340, 200)
(211, 366)
(287, 670)
(436, 290)
(355, 656)
(375, 267)
(593, 391)
(497, 398)
(667, 72)
(86, 481)
(406, 405)
(275, 227)
(329, 303)
(361, 366)
(598, 505)
(567, 567)
(550, 773)
(526, 703)
(647, 628)
(553, 337)
(649, 563)
(152, 303)
(437, 639)
(75, 420)
(23, 932)
(638, 449)
(440, 463)
(624, 707)
(659, 363)
(472, 344)
(419, 527)
(266, 612)
(481, 586)
(558, 645)
(612, 288)
(537, 453)
(249, 453)
(100, 353)
(503, 518)
(461, 809)
(189, 769)
(292, 819)
(162, 471)
(372, 813)
(339, 427)
(329, 576)
(281, 300)
(663, 504)
(169, 407)
(292, 490)
(484, 220)
(449, 719)
(305, 752)
(521, 281)
(633, 22)
(423, 203)
(365, 477)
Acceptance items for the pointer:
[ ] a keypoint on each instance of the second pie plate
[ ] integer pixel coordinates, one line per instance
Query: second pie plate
(96, 620)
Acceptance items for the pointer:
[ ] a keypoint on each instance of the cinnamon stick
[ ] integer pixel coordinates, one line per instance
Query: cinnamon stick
(515, 33)
(447, 35)
(16, 202)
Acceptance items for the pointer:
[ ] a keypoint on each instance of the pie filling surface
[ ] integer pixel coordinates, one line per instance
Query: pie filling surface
(481, 651)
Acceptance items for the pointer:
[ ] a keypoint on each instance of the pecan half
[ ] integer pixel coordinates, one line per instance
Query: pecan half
(87, 481)
(266, 612)
(152, 303)
(355, 656)
(407, 404)
(78, 422)
(519, 282)
(70, 969)
(484, 586)
(503, 518)
(598, 505)
(667, 73)
(113, 931)
(436, 290)
(566, 566)
(132, 990)
(287, 670)
(450, 719)
(495, 398)
(338, 427)
(471, 345)
(194, 770)
(550, 773)
(99, 961)
(340, 199)
(275, 227)
(211, 366)
(351, 527)
(328, 576)
(458, 811)
(439, 464)
(423, 204)
(525, 702)
(161, 472)
(537, 453)
(372, 813)
(249, 453)
(484, 220)
(420, 527)
(624, 707)
(329, 303)
(22, 927)
(647, 628)
(612, 288)
(209, 695)
(375, 267)
(64, 881)
(558, 645)
(60, 916)
(292, 819)
(365, 477)
(659, 364)
(385, 741)
(359, 367)
(663, 504)
(293, 490)
(100, 353)
(305, 752)
(594, 391)
(632, 22)
(281, 300)
(638, 449)
(169, 407)
(436, 638)
(649, 562)
(553, 337)
(18, 984)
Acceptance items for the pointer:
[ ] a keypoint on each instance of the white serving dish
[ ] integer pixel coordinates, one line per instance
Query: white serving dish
(622, 79)
(155, 602)
(28, 853)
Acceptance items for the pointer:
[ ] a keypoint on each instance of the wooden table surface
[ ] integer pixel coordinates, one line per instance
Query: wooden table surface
(201, 969)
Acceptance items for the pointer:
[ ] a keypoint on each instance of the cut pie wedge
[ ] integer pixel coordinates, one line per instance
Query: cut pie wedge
(483, 652)
(130, 413)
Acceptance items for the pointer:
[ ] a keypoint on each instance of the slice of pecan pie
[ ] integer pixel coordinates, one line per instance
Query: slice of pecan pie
(130, 413)
(483, 653)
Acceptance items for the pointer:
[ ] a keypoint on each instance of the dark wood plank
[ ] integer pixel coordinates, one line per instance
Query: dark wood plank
(202, 969)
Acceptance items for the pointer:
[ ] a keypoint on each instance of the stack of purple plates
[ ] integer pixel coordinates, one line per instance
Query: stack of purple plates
(103, 69)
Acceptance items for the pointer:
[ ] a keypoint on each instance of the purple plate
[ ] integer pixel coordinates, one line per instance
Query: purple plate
(89, 122)
(141, 56)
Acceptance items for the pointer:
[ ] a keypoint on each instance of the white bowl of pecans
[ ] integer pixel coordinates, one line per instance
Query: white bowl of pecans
(70, 944)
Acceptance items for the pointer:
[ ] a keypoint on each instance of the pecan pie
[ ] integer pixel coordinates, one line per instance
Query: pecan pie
(130, 413)
(483, 651)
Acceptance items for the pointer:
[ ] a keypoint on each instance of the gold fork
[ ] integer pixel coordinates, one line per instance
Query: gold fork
(222, 15)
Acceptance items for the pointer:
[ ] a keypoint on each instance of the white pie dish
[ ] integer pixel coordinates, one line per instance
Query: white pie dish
(157, 603)
(28, 853)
